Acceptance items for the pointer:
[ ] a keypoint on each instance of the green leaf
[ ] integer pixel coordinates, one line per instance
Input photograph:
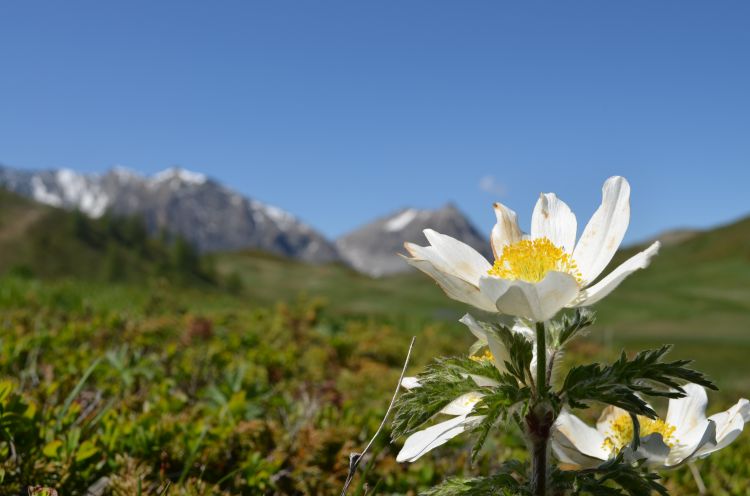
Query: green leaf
(520, 350)
(495, 407)
(621, 383)
(570, 326)
(52, 448)
(496, 485)
(86, 450)
(612, 478)
(442, 382)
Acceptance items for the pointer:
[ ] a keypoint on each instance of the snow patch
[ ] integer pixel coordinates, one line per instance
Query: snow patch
(180, 174)
(401, 220)
(282, 219)
(41, 194)
(77, 190)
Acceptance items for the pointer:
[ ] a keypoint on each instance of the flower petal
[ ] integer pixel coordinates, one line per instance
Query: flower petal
(729, 425)
(446, 257)
(535, 301)
(476, 329)
(688, 416)
(454, 287)
(425, 440)
(482, 381)
(587, 440)
(688, 412)
(500, 353)
(701, 436)
(553, 219)
(410, 383)
(506, 230)
(463, 260)
(463, 405)
(566, 452)
(651, 448)
(605, 230)
(613, 279)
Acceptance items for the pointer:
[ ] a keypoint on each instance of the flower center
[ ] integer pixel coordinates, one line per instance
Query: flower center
(621, 431)
(531, 259)
(484, 357)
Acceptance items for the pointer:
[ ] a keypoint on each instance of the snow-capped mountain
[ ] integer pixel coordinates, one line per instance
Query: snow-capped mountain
(206, 213)
(373, 248)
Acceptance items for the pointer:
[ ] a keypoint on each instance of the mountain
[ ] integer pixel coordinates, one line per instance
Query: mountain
(38, 240)
(206, 213)
(373, 249)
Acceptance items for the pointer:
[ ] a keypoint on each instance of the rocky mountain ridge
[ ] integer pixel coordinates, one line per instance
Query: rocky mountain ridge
(216, 218)
(206, 213)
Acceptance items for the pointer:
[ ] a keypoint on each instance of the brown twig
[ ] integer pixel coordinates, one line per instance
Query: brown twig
(355, 458)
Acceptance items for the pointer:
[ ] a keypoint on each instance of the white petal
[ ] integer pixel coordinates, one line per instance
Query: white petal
(425, 440)
(688, 416)
(587, 440)
(553, 219)
(566, 452)
(687, 412)
(535, 301)
(506, 230)
(463, 260)
(652, 449)
(604, 232)
(429, 254)
(729, 425)
(454, 287)
(497, 348)
(482, 381)
(499, 352)
(463, 405)
(686, 447)
(410, 383)
(613, 279)
(476, 329)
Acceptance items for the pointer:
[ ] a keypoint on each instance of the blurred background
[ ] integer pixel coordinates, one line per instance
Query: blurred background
(202, 204)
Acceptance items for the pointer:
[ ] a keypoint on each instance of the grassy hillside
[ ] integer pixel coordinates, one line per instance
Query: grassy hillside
(40, 241)
(696, 295)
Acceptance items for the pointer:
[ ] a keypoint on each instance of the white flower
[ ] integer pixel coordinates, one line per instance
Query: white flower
(534, 276)
(498, 352)
(685, 434)
(436, 435)
(461, 408)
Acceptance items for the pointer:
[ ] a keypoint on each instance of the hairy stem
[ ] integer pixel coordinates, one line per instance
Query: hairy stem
(541, 360)
(539, 420)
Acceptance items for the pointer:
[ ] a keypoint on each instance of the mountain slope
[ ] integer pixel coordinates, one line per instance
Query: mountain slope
(48, 242)
(209, 215)
(373, 249)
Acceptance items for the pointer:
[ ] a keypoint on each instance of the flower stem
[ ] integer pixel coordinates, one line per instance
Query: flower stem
(539, 420)
(541, 360)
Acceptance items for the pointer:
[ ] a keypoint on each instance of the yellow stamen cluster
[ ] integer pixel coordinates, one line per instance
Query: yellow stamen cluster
(484, 357)
(621, 431)
(531, 259)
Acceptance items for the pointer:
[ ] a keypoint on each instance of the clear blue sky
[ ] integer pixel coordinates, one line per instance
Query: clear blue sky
(343, 111)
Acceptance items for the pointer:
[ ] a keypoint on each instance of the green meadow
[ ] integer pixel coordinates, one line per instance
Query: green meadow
(132, 365)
